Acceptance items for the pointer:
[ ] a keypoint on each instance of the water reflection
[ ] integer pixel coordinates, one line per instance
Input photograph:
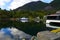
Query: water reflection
(13, 34)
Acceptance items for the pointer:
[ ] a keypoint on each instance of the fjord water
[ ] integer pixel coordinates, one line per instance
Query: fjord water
(29, 27)
(16, 30)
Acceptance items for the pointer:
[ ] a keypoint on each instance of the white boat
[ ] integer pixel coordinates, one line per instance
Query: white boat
(53, 20)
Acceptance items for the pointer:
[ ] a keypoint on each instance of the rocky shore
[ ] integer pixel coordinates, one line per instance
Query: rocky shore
(46, 35)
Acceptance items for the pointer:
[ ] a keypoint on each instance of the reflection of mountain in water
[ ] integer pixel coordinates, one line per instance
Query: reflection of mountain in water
(13, 34)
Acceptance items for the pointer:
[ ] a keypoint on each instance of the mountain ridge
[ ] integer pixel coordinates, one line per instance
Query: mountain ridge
(33, 6)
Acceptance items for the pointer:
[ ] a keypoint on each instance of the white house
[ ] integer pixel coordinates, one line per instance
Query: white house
(24, 19)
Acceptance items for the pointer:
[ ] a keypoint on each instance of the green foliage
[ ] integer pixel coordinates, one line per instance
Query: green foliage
(55, 4)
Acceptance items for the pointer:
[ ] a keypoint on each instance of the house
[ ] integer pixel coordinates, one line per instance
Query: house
(24, 19)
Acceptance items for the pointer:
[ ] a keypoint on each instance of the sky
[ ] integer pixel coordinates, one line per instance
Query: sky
(13, 4)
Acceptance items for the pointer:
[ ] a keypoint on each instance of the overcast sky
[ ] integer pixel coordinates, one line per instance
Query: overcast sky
(13, 4)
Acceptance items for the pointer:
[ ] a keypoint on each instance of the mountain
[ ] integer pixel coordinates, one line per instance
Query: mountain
(38, 5)
(55, 4)
(33, 6)
(49, 7)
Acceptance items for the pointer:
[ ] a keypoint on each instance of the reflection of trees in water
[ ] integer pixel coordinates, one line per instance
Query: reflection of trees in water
(28, 27)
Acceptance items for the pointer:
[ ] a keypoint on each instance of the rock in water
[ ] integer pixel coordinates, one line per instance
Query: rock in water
(47, 35)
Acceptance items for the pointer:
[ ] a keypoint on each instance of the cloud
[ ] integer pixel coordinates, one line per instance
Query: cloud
(18, 3)
(3, 3)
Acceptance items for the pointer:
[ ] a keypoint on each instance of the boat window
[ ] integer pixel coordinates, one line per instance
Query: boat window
(59, 17)
(52, 17)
